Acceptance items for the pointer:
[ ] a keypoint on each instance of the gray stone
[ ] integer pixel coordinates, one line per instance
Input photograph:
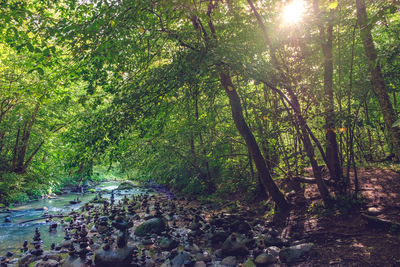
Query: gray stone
(152, 226)
(218, 253)
(264, 259)
(273, 250)
(127, 185)
(180, 259)
(47, 263)
(229, 261)
(205, 256)
(200, 264)
(167, 243)
(52, 255)
(293, 253)
(218, 237)
(93, 229)
(240, 226)
(26, 260)
(270, 240)
(234, 246)
(114, 257)
(74, 261)
(66, 243)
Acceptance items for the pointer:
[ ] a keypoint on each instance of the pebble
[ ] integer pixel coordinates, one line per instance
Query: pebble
(229, 261)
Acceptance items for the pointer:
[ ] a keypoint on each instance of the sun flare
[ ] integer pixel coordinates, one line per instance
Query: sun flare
(293, 12)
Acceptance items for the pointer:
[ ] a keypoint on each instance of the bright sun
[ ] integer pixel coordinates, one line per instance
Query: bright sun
(293, 12)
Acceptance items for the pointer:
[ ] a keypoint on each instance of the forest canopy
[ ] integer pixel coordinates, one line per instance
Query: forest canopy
(204, 97)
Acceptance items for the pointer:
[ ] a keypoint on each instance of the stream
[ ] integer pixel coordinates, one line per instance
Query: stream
(13, 235)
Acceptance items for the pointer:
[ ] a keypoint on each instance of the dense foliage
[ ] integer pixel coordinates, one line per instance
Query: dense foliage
(202, 96)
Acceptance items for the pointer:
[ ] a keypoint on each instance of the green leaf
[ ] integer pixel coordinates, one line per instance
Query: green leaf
(396, 124)
(30, 47)
(39, 70)
(333, 5)
(14, 30)
(46, 52)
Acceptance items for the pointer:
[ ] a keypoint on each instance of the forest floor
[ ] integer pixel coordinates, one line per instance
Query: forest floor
(347, 239)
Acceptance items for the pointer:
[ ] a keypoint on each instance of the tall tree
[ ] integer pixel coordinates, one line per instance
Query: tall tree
(377, 78)
(332, 148)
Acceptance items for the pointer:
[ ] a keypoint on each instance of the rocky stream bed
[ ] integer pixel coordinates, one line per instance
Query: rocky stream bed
(156, 230)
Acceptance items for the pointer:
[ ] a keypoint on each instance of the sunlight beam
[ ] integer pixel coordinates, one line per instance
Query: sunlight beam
(293, 12)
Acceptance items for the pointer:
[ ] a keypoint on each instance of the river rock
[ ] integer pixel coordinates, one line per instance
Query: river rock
(240, 226)
(179, 259)
(234, 246)
(47, 263)
(26, 260)
(200, 264)
(66, 243)
(74, 261)
(229, 261)
(127, 185)
(168, 243)
(93, 229)
(52, 255)
(291, 254)
(152, 226)
(271, 240)
(264, 259)
(374, 211)
(205, 256)
(218, 237)
(274, 251)
(114, 257)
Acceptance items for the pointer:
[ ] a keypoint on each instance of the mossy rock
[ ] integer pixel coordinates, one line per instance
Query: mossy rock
(99, 200)
(127, 185)
(152, 226)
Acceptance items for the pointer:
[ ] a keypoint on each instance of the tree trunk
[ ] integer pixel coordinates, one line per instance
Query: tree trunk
(323, 189)
(208, 177)
(15, 153)
(305, 130)
(267, 182)
(19, 168)
(377, 77)
(332, 149)
(237, 114)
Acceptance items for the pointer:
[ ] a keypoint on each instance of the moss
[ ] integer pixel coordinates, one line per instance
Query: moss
(249, 263)
(155, 225)
(99, 200)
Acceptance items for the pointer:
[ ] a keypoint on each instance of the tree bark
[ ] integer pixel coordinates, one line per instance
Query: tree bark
(377, 77)
(19, 167)
(332, 149)
(237, 115)
(305, 130)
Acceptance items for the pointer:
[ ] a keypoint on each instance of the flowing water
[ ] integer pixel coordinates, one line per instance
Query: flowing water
(12, 235)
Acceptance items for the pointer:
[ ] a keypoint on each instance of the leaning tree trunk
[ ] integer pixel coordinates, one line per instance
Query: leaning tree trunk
(305, 131)
(377, 78)
(237, 115)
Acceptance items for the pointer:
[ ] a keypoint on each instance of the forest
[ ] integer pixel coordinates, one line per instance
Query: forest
(287, 110)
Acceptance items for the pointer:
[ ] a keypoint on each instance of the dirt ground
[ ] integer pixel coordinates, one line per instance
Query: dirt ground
(348, 239)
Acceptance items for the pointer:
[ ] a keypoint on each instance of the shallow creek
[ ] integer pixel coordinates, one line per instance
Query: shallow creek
(13, 234)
